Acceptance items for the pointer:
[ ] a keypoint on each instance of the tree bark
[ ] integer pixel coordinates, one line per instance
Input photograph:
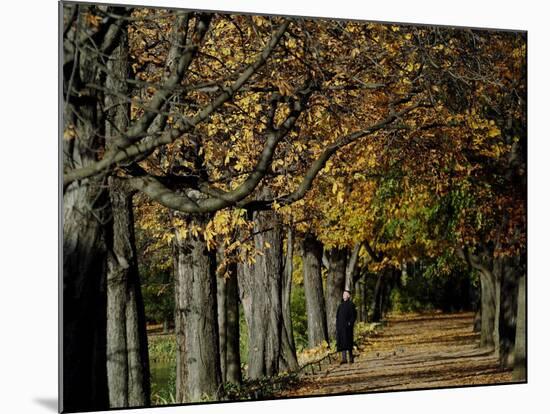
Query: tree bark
(351, 267)
(509, 276)
(289, 361)
(376, 305)
(84, 337)
(198, 373)
(260, 287)
(488, 309)
(86, 209)
(312, 251)
(520, 349)
(228, 323)
(232, 333)
(336, 279)
(127, 351)
(489, 302)
(222, 324)
(363, 296)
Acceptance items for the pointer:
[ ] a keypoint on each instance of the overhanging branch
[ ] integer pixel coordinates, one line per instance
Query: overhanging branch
(135, 149)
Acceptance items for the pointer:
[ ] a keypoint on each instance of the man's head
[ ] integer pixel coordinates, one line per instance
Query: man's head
(346, 295)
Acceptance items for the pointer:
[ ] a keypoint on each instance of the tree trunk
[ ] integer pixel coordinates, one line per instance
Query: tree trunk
(509, 270)
(377, 297)
(222, 324)
(127, 352)
(228, 323)
(84, 382)
(336, 279)
(313, 285)
(488, 310)
(198, 373)
(260, 286)
(232, 330)
(362, 299)
(351, 267)
(86, 209)
(520, 350)
(289, 360)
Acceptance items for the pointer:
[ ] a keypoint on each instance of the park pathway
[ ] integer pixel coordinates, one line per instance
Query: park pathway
(411, 352)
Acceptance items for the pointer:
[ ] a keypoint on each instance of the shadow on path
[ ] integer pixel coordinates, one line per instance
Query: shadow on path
(412, 352)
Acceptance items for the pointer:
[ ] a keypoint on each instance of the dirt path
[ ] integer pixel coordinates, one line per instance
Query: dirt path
(411, 352)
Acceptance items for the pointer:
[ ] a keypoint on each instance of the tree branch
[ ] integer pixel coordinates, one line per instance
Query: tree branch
(320, 163)
(137, 148)
(219, 199)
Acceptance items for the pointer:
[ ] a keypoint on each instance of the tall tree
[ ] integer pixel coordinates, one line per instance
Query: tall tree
(127, 351)
(86, 210)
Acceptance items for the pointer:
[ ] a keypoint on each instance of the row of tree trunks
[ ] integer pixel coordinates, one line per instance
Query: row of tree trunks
(207, 312)
(502, 308)
(198, 371)
(312, 252)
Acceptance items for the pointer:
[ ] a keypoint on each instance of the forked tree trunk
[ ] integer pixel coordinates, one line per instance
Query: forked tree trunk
(312, 251)
(198, 373)
(520, 350)
(336, 279)
(127, 352)
(260, 288)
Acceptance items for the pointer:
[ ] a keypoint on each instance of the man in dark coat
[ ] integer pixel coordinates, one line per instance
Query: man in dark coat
(345, 319)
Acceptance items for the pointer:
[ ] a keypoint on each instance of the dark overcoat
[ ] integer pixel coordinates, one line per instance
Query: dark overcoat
(345, 318)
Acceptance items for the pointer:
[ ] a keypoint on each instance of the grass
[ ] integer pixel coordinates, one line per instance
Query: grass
(162, 358)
